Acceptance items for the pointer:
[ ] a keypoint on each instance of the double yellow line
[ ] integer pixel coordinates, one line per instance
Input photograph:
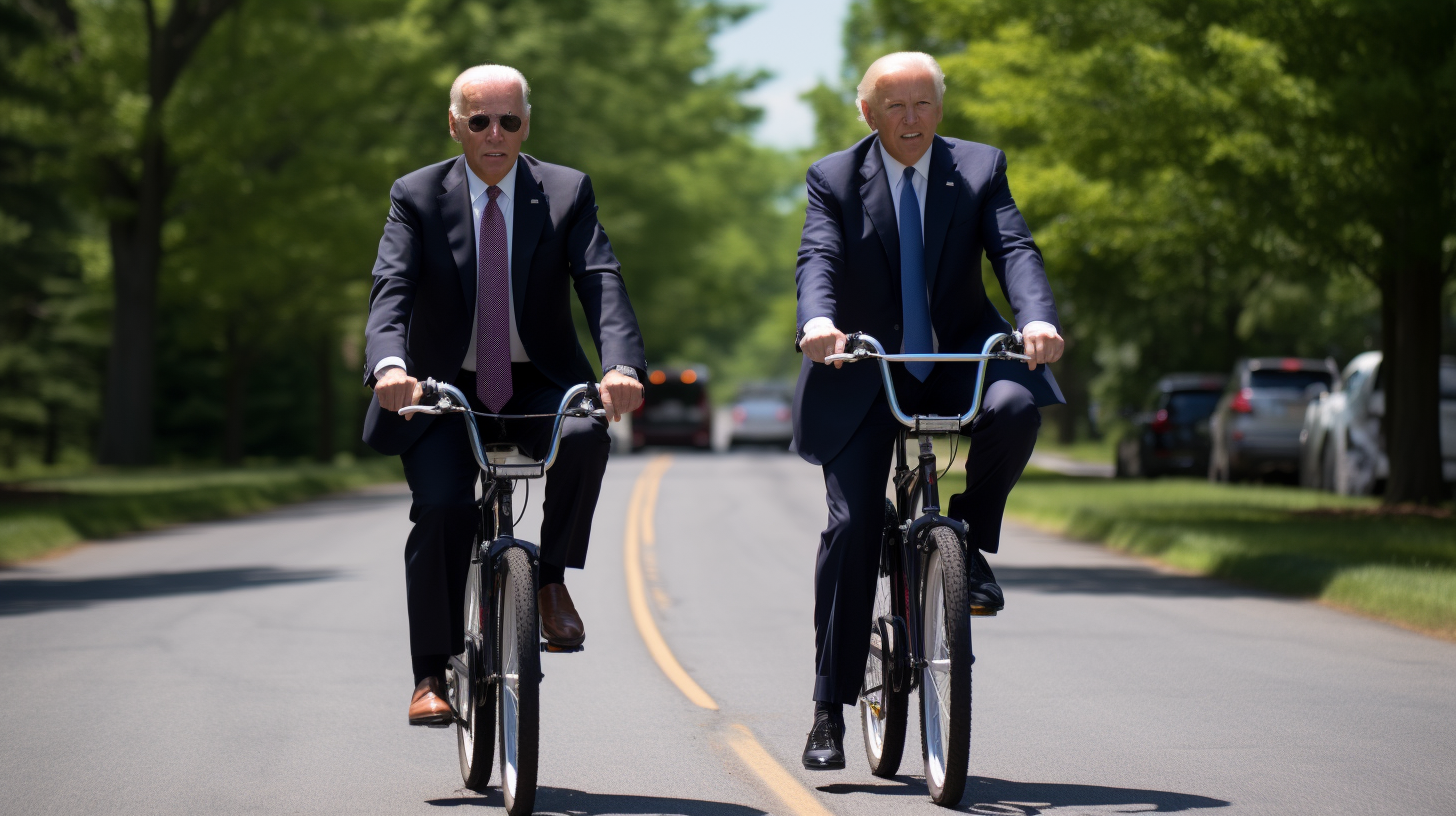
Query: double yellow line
(642, 533)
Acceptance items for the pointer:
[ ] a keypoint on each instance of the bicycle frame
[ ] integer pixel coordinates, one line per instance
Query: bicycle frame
(920, 482)
(495, 529)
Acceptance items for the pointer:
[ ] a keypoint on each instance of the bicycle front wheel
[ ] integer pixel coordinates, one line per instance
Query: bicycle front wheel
(883, 709)
(945, 682)
(519, 641)
(472, 697)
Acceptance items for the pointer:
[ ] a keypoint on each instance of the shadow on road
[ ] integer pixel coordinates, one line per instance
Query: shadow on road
(25, 596)
(1002, 796)
(581, 803)
(1117, 581)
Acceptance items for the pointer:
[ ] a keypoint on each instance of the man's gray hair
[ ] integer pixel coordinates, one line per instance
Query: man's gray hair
(889, 63)
(486, 73)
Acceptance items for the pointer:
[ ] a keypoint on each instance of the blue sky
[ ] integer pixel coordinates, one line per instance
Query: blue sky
(799, 41)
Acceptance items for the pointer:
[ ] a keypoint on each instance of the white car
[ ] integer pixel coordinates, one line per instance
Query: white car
(1342, 448)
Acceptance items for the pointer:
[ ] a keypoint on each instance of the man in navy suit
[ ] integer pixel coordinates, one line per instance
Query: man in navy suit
(472, 286)
(892, 244)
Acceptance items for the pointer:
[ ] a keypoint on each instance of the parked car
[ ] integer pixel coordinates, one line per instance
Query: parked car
(1170, 436)
(763, 413)
(674, 409)
(1255, 428)
(1342, 445)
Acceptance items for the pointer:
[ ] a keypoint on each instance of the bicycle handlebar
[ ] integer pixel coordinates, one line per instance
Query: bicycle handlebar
(997, 347)
(451, 400)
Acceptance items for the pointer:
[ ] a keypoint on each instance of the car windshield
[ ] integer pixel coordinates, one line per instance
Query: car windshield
(748, 393)
(680, 391)
(1291, 380)
(1191, 406)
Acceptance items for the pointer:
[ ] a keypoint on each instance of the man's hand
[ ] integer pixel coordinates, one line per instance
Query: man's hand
(1043, 344)
(397, 389)
(821, 339)
(620, 395)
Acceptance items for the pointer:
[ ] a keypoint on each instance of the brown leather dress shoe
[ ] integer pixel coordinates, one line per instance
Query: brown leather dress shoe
(428, 705)
(559, 620)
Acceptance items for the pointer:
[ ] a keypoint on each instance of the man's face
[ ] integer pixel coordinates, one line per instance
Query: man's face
(492, 152)
(905, 110)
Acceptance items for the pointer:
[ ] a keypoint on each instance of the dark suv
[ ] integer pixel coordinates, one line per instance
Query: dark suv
(1257, 423)
(1170, 436)
(675, 409)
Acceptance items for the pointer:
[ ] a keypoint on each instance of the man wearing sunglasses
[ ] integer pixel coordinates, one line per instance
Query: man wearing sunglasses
(472, 286)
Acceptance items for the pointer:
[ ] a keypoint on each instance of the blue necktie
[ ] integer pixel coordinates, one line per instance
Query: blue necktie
(912, 279)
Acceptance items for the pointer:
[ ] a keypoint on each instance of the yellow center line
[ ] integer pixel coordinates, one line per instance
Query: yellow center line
(794, 796)
(641, 530)
(644, 495)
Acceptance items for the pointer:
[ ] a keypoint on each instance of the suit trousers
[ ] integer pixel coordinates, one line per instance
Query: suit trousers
(1001, 440)
(443, 475)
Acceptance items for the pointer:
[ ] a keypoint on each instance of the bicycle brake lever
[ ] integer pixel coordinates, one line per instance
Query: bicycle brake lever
(420, 409)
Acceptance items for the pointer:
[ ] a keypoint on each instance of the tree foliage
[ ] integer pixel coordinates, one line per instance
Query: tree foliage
(1214, 180)
(280, 133)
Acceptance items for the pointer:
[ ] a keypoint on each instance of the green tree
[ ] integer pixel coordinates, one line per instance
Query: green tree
(47, 339)
(1204, 178)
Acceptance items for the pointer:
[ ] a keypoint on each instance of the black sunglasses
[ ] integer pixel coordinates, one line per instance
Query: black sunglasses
(509, 122)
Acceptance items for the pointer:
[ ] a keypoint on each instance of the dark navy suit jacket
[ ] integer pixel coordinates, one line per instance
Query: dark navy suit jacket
(849, 271)
(422, 305)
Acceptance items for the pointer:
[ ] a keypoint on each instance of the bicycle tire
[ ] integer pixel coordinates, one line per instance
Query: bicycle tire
(945, 683)
(472, 697)
(883, 711)
(518, 695)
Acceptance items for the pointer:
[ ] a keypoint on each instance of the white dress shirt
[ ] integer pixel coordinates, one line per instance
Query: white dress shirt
(478, 202)
(895, 175)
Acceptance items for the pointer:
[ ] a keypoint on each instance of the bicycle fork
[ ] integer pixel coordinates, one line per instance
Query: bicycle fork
(919, 483)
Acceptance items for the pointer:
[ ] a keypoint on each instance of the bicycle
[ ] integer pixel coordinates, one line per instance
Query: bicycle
(493, 686)
(922, 640)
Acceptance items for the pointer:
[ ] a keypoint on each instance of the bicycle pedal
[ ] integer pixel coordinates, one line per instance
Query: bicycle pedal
(547, 646)
(983, 612)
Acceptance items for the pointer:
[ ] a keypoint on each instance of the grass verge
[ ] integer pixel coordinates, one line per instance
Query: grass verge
(1398, 567)
(40, 515)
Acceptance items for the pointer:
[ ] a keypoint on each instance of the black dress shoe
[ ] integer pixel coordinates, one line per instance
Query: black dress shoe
(985, 593)
(825, 749)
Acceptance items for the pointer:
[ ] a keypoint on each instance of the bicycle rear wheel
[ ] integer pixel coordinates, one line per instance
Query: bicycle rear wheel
(472, 697)
(519, 641)
(883, 710)
(945, 682)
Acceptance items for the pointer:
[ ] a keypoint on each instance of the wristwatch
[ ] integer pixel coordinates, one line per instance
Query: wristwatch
(628, 370)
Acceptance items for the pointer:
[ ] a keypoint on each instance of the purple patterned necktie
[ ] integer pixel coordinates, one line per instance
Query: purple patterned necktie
(492, 305)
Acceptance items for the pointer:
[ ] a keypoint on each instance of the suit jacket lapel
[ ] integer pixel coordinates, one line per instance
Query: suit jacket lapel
(940, 199)
(531, 209)
(874, 191)
(459, 231)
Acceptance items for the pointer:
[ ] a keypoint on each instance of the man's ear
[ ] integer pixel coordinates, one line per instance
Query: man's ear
(453, 135)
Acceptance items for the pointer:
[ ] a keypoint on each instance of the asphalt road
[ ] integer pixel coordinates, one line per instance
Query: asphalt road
(260, 666)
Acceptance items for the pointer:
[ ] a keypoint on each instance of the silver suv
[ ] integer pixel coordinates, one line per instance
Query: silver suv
(1342, 447)
(1255, 428)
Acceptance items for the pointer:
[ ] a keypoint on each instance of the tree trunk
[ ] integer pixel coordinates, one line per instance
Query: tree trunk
(1411, 290)
(236, 390)
(136, 254)
(323, 372)
(51, 445)
(1071, 378)
(136, 236)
